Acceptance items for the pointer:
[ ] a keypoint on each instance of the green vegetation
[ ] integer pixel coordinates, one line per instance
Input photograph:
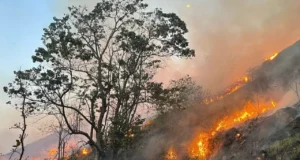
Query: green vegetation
(288, 148)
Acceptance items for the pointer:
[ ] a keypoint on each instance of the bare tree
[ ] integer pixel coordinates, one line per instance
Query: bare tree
(60, 129)
(294, 82)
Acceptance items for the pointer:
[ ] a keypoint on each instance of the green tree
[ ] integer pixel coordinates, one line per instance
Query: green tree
(25, 108)
(179, 95)
(100, 65)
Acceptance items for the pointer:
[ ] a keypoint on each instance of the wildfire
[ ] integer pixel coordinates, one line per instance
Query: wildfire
(200, 147)
(52, 152)
(246, 79)
(171, 155)
(85, 151)
(146, 124)
(238, 135)
(229, 90)
(199, 150)
(273, 104)
(272, 57)
(130, 134)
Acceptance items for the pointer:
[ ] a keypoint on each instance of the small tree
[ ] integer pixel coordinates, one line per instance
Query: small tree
(100, 65)
(20, 86)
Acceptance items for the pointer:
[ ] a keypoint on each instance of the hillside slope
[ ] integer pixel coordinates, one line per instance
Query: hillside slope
(266, 138)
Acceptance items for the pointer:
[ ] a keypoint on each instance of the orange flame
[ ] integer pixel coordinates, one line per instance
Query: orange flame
(200, 146)
(246, 79)
(272, 57)
(239, 83)
(52, 152)
(85, 151)
(171, 155)
(146, 124)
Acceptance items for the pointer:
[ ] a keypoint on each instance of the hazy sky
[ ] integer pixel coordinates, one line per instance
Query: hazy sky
(20, 33)
(229, 37)
(21, 28)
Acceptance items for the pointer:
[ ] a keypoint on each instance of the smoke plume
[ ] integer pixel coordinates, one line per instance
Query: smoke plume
(229, 36)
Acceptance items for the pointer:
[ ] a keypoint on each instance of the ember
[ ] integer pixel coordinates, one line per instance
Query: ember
(238, 135)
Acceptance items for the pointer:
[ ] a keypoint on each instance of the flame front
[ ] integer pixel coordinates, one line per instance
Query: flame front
(272, 57)
(200, 146)
(229, 90)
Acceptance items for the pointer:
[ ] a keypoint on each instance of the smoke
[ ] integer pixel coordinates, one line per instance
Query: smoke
(229, 38)
(233, 36)
(289, 98)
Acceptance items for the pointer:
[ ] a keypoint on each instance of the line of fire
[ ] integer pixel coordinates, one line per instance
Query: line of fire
(208, 140)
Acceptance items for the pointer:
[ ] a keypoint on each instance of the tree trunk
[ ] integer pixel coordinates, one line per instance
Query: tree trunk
(63, 149)
(59, 147)
(97, 154)
(115, 154)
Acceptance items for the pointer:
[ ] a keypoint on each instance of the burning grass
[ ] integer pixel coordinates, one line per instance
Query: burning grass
(171, 154)
(200, 146)
(272, 57)
(207, 142)
(204, 144)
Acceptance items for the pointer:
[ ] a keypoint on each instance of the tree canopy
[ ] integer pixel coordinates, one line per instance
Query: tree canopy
(100, 65)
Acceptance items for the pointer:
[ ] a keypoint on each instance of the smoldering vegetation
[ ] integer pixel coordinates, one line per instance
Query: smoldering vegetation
(271, 80)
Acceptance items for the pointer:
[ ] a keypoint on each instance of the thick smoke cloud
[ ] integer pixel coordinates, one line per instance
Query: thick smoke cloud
(229, 36)
(238, 34)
